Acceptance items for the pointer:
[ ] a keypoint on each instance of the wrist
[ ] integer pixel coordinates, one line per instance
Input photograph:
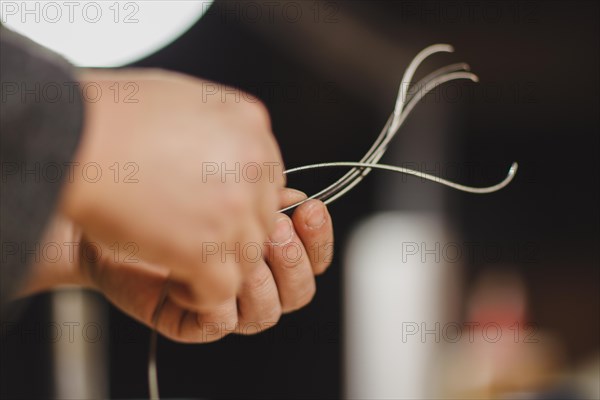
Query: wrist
(80, 191)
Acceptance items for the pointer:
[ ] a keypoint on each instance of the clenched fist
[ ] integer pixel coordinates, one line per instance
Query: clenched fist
(172, 208)
(184, 197)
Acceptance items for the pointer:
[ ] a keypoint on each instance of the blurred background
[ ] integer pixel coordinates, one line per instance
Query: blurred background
(433, 293)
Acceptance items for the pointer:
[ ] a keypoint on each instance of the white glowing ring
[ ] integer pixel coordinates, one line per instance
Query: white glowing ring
(103, 33)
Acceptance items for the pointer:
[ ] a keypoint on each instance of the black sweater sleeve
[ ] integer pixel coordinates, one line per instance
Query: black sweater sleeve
(41, 117)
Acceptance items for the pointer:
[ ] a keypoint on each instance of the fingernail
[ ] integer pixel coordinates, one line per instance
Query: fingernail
(282, 232)
(316, 216)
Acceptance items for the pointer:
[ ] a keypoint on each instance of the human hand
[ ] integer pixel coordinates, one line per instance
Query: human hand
(170, 209)
(281, 280)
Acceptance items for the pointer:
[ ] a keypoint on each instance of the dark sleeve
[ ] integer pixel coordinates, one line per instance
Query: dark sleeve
(41, 116)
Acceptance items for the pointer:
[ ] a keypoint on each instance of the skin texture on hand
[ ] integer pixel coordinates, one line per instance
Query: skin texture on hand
(171, 210)
(230, 262)
(282, 281)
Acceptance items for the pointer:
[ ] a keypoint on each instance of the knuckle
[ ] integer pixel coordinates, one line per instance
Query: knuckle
(266, 318)
(215, 287)
(217, 324)
(301, 300)
(226, 322)
(272, 317)
(258, 280)
(219, 295)
(252, 113)
(258, 111)
(290, 255)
